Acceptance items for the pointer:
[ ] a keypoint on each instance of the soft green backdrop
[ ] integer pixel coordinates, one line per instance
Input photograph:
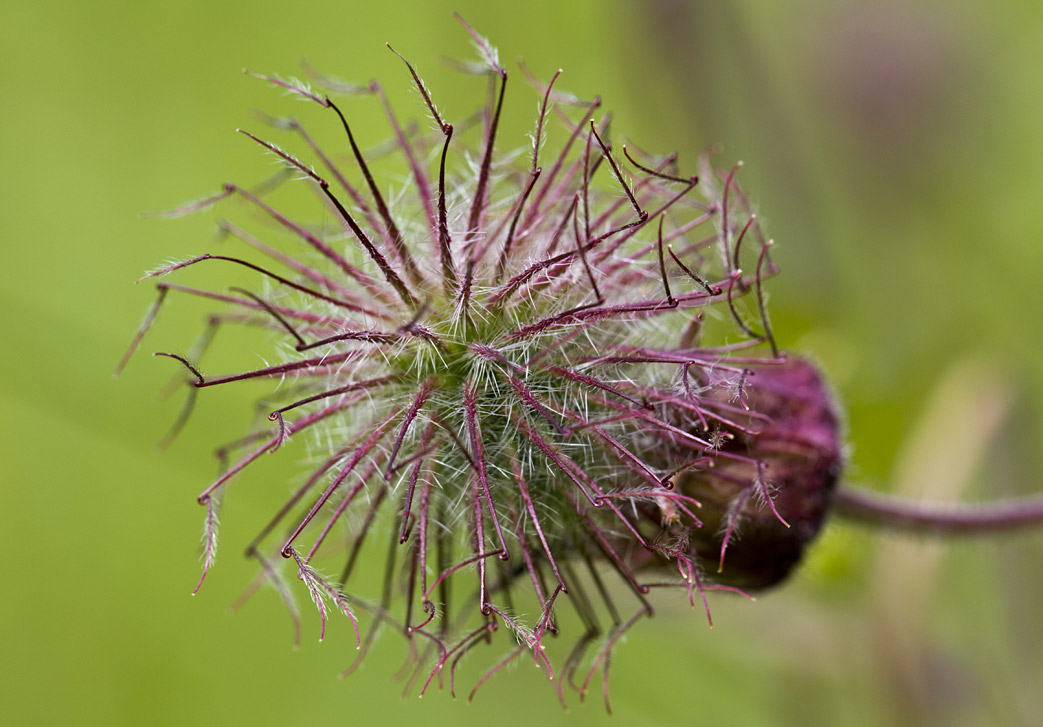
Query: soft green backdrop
(897, 158)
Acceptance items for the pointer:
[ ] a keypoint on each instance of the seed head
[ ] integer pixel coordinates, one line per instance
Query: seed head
(548, 381)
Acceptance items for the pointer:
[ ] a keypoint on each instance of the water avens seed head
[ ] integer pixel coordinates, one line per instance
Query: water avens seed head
(547, 380)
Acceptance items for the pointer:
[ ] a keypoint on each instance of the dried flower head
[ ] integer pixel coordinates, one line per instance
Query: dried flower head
(547, 380)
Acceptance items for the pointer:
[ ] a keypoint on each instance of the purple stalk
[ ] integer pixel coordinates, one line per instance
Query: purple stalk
(931, 518)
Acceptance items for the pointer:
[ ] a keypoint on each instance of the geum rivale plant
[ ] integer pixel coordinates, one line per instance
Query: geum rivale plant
(548, 380)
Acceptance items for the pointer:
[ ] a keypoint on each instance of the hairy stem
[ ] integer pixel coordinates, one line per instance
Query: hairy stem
(932, 518)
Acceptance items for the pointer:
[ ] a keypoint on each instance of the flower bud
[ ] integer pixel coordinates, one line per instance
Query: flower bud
(766, 495)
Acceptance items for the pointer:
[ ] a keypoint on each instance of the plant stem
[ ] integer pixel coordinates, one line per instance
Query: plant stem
(933, 518)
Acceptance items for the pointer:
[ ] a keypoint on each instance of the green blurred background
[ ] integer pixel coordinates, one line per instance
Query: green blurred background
(895, 154)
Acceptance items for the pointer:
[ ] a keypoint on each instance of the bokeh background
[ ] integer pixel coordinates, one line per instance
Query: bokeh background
(895, 151)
